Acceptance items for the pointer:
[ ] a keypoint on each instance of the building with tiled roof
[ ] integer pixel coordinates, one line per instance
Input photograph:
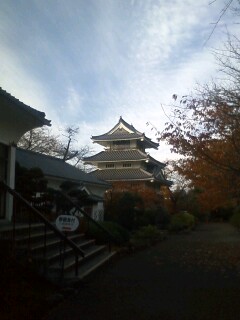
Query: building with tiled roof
(16, 119)
(125, 160)
(57, 172)
(19, 116)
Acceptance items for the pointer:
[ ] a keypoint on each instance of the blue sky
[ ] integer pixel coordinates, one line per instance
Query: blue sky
(88, 62)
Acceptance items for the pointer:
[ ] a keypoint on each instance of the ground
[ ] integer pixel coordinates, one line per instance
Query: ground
(23, 295)
(188, 276)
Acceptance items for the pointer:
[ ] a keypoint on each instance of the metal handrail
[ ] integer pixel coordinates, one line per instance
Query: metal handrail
(43, 219)
(109, 234)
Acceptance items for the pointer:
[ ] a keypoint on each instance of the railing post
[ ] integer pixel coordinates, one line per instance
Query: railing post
(30, 211)
(45, 249)
(29, 233)
(45, 242)
(14, 226)
(62, 257)
(76, 264)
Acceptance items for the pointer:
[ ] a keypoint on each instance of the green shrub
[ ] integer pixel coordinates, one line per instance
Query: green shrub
(144, 218)
(235, 219)
(118, 232)
(163, 218)
(158, 217)
(146, 236)
(124, 210)
(182, 221)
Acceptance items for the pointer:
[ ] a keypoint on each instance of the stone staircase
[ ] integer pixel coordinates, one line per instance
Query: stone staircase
(53, 257)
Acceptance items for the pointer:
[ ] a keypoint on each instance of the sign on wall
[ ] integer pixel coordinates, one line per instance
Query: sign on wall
(67, 223)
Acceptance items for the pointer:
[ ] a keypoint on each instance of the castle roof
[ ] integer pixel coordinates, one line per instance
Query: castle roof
(124, 131)
(133, 174)
(122, 155)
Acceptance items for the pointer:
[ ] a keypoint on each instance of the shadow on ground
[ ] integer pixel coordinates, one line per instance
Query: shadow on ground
(188, 276)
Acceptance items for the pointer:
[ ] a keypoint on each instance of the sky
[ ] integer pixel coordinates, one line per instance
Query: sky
(85, 63)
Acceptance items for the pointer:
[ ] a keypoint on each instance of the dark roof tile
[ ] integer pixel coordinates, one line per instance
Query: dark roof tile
(122, 174)
(118, 155)
(54, 167)
(122, 134)
(38, 114)
(128, 175)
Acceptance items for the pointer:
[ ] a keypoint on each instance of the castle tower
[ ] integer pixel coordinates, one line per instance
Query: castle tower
(124, 162)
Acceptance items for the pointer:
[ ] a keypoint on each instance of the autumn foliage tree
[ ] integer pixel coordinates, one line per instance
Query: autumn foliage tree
(134, 205)
(206, 132)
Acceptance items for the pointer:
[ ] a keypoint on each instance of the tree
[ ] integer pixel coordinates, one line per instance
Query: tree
(42, 140)
(227, 6)
(180, 186)
(205, 129)
(29, 182)
(65, 150)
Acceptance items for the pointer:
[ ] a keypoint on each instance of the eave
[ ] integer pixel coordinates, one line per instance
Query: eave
(23, 108)
(117, 156)
(114, 175)
(127, 132)
(17, 118)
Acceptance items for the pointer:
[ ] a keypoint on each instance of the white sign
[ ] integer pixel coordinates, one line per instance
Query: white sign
(67, 223)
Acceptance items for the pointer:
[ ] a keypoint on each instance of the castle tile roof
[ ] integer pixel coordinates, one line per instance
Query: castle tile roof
(137, 174)
(124, 131)
(122, 155)
(118, 155)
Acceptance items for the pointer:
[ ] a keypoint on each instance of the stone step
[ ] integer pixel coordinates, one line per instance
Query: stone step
(20, 229)
(69, 262)
(53, 241)
(53, 254)
(47, 262)
(89, 267)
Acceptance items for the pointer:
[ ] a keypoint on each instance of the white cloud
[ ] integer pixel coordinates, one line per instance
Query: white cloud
(15, 80)
(87, 63)
(73, 103)
(165, 28)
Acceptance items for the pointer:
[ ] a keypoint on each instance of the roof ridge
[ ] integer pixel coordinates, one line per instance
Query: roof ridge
(129, 125)
(67, 171)
(155, 160)
(46, 156)
(145, 171)
(24, 105)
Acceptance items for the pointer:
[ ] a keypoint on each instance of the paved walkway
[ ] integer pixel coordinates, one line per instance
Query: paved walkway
(187, 277)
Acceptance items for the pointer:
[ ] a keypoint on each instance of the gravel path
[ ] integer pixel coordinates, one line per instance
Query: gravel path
(186, 277)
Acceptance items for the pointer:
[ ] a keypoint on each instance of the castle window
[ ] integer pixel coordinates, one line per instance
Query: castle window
(121, 144)
(110, 165)
(127, 165)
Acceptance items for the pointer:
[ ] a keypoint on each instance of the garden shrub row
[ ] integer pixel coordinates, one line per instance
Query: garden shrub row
(143, 236)
(146, 236)
(182, 221)
(235, 218)
(119, 233)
